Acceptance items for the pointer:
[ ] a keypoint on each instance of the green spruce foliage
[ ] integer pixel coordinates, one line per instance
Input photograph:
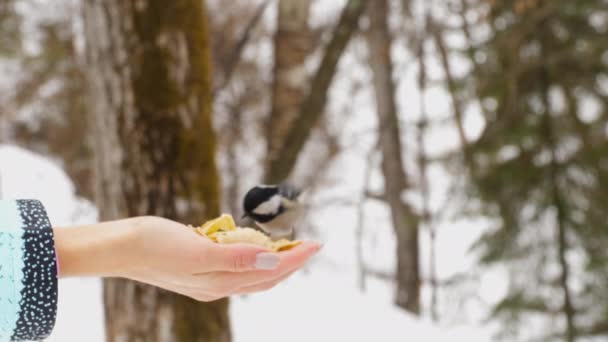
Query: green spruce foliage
(542, 161)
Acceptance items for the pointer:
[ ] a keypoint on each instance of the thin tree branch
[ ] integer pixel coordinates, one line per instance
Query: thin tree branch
(422, 165)
(369, 165)
(378, 196)
(560, 207)
(470, 51)
(457, 104)
(236, 53)
(382, 275)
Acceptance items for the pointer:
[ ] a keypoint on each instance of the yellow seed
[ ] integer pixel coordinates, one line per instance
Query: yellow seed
(222, 223)
(243, 235)
(284, 245)
(199, 231)
(223, 230)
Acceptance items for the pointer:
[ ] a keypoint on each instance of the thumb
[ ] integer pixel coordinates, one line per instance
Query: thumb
(241, 258)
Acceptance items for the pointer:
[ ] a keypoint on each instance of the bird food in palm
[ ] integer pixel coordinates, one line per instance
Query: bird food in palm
(223, 230)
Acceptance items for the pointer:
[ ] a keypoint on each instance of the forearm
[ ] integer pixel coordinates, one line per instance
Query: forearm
(94, 250)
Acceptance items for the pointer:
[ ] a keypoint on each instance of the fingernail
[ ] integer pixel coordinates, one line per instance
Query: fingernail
(266, 261)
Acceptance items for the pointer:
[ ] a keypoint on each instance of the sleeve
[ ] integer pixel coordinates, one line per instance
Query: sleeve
(28, 271)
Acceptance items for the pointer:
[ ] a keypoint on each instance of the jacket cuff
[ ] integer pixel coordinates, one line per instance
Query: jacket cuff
(28, 271)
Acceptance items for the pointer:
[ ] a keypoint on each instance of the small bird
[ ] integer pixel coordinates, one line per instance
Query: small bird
(274, 208)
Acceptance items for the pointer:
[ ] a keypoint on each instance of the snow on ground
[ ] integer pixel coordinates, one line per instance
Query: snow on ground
(317, 304)
(322, 305)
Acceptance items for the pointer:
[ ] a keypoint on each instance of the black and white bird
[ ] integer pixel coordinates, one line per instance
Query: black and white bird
(274, 208)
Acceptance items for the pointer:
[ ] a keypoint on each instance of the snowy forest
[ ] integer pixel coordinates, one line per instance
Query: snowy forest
(455, 153)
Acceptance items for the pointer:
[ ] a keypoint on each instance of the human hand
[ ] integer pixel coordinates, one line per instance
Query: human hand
(171, 256)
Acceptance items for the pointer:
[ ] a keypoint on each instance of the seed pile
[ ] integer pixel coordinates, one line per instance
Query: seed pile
(223, 230)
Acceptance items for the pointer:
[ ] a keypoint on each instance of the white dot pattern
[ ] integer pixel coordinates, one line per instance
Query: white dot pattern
(39, 294)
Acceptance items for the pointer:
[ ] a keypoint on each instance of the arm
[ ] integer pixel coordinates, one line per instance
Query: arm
(151, 250)
(94, 250)
(169, 255)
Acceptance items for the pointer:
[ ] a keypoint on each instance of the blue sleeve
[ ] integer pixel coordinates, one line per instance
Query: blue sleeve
(28, 272)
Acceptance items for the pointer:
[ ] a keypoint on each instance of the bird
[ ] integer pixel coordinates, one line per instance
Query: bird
(274, 208)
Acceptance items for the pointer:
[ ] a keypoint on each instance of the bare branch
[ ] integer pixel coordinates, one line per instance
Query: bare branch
(378, 196)
(236, 53)
(361, 217)
(422, 165)
(383, 275)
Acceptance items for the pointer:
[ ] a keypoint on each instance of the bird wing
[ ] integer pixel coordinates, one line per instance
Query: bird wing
(283, 223)
(288, 203)
(289, 191)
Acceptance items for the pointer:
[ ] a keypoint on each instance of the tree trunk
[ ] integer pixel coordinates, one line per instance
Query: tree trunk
(457, 103)
(561, 215)
(405, 221)
(292, 45)
(312, 105)
(149, 72)
(426, 217)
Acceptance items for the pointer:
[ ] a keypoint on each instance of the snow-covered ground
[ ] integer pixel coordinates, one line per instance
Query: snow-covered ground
(320, 303)
(323, 305)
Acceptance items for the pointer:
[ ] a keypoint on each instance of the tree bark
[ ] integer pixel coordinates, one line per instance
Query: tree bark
(312, 105)
(292, 46)
(457, 103)
(234, 57)
(359, 230)
(426, 218)
(149, 74)
(405, 221)
(561, 214)
(470, 52)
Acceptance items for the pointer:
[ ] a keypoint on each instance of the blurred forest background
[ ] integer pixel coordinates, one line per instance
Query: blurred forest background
(410, 121)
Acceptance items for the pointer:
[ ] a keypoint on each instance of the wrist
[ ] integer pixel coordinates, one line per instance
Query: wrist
(99, 250)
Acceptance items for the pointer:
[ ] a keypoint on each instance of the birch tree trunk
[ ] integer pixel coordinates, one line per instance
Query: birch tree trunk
(281, 165)
(149, 72)
(405, 221)
(292, 45)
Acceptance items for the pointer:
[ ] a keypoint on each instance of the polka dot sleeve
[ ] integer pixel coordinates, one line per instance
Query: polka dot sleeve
(28, 272)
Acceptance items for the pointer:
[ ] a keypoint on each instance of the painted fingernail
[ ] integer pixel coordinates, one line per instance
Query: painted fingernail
(266, 261)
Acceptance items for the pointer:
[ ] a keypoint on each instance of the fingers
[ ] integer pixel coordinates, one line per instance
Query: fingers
(290, 261)
(245, 257)
(265, 286)
(237, 258)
